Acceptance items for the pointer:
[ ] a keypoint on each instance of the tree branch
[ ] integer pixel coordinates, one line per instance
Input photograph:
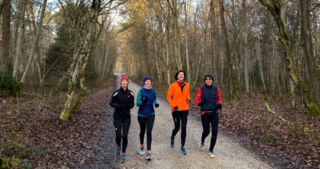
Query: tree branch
(170, 6)
(1, 5)
(317, 5)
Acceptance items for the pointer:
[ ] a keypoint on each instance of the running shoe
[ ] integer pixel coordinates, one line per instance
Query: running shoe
(171, 143)
(183, 151)
(142, 150)
(211, 155)
(148, 156)
(201, 146)
(118, 151)
(123, 157)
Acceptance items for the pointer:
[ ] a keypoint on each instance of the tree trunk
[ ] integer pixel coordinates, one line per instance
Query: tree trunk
(36, 42)
(145, 37)
(245, 45)
(307, 44)
(106, 59)
(168, 63)
(1, 5)
(229, 66)
(258, 53)
(275, 9)
(213, 29)
(6, 34)
(18, 55)
(186, 38)
(176, 45)
(89, 42)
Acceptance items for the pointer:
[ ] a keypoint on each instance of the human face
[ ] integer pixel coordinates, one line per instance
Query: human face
(208, 81)
(181, 76)
(147, 83)
(124, 84)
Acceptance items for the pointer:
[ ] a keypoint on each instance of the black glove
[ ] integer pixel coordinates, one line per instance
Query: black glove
(156, 105)
(219, 106)
(176, 108)
(144, 98)
(200, 104)
(189, 101)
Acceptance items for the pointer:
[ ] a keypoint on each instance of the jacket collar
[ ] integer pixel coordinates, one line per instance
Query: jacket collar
(122, 90)
(207, 86)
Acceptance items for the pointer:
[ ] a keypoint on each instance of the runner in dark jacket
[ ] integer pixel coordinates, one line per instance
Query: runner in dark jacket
(146, 99)
(209, 99)
(122, 100)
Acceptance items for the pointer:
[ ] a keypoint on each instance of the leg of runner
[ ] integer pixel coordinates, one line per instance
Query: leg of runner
(184, 119)
(150, 123)
(176, 119)
(214, 119)
(117, 125)
(126, 125)
(142, 123)
(206, 129)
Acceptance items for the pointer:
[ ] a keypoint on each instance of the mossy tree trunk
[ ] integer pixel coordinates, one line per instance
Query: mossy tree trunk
(83, 54)
(275, 7)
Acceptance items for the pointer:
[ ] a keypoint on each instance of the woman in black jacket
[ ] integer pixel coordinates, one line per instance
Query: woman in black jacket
(122, 100)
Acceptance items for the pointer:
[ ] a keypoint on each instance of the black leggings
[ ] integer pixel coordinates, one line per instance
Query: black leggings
(177, 117)
(206, 119)
(122, 124)
(146, 122)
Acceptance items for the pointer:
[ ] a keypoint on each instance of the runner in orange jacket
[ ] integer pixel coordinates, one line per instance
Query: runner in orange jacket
(179, 98)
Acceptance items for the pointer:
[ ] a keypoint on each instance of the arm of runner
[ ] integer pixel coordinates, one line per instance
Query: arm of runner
(169, 96)
(139, 101)
(198, 97)
(219, 101)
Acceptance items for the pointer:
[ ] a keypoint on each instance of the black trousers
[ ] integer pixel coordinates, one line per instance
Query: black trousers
(207, 119)
(146, 123)
(122, 126)
(180, 117)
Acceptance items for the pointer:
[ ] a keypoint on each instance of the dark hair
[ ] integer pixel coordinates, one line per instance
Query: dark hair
(176, 76)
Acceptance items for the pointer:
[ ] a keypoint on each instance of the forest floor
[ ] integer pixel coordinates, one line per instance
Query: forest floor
(32, 136)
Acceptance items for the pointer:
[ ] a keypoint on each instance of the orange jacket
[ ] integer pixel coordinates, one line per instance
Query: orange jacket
(177, 98)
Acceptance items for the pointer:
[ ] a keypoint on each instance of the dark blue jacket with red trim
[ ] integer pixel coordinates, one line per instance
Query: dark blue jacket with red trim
(209, 96)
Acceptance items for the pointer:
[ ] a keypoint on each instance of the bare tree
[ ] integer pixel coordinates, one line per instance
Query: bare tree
(20, 36)
(6, 34)
(36, 42)
(275, 7)
(229, 67)
(307, 43)
(245, 33)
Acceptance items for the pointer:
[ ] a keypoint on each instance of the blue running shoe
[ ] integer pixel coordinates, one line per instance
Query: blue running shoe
(118, 151)
(123, 157)
(171, 143)
(183, 151)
